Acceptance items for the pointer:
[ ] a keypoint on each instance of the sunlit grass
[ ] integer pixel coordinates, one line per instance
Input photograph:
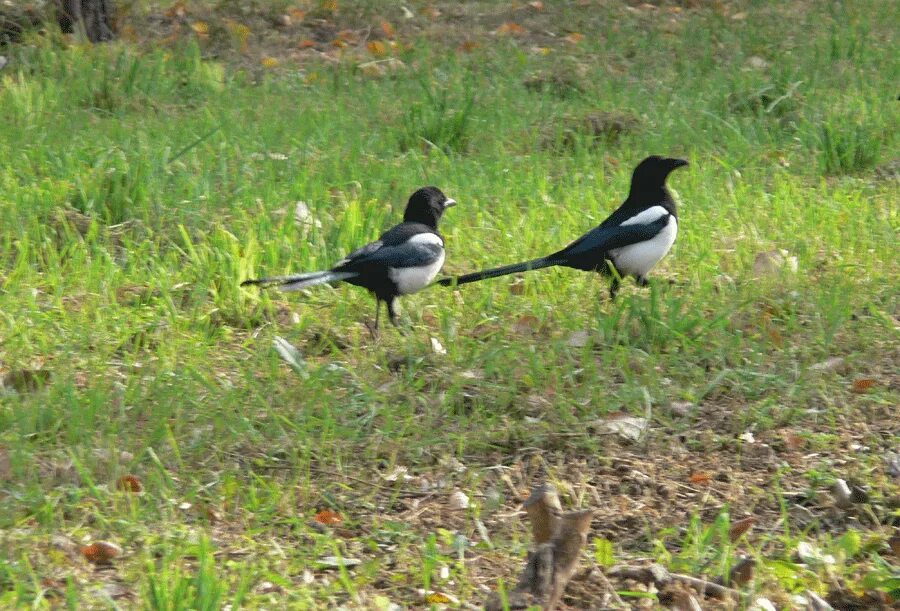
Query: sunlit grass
(160, 365)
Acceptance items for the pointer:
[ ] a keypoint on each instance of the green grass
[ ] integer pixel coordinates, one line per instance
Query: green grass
(139, 184)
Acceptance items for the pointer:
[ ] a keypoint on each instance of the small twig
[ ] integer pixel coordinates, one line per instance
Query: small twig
(612, 590)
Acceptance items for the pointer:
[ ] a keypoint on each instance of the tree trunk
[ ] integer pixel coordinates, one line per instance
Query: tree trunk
(93, 18)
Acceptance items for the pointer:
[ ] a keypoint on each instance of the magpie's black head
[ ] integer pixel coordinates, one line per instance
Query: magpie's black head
(426, 206)
(651, 173)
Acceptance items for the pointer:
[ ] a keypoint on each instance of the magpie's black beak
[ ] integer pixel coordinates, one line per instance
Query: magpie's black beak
(449, 203)
(678, 163)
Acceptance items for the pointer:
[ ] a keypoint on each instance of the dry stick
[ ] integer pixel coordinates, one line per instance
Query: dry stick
(559, 538)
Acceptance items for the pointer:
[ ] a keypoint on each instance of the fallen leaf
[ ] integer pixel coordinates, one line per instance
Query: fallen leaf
(269, 62)
(842, 494)
(388, 29)
(895, 545)
(458, 500)
(739, 16)
(377, 48)
(579, 339)
(740, 527)
(304, 217)
(526, 324)
(810, 554)
(627, 427)
(436, 346)
(328, 517)
(517, 287)
(437, 598)
(698, 477)
(201, 29)
(129, 483)
(510, 28)
(335, 562)
(101, 552)
(770, 262)
(536, 5)
(306, 44)
(835, 363)
(297, 14)
(177, 9)
(290, 355)
(339, 43)
(468, 46)
(574, 38)
(862, 385)
(742, 572)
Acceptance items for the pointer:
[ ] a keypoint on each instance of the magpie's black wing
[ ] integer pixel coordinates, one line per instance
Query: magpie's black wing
(404, 245)
(589, 251)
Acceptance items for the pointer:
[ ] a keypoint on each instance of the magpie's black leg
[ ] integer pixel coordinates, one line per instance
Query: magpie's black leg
(614, 288)
(641, 280)
(374, 329)
(392, 313)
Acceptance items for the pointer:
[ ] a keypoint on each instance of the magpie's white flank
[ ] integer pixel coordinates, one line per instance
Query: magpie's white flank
(632, 240)
(404, 260)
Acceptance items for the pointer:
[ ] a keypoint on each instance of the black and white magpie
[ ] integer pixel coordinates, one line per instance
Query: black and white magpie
(404, 260)
(631, 240)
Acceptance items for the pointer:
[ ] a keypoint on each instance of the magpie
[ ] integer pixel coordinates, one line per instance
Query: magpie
(630, 242)
(404, 260)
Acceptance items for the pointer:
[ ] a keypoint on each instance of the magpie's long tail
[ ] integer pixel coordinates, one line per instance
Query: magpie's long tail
(499, 271)
(296, 282)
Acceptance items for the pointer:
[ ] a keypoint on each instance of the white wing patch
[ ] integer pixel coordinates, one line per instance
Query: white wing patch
(638, 259)
(426, 238)
(648, 216)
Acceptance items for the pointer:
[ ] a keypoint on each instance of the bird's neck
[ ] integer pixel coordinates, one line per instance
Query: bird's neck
(426, 219)
(654, 196)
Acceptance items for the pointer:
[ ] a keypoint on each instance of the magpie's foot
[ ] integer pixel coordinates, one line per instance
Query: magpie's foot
(373, 330)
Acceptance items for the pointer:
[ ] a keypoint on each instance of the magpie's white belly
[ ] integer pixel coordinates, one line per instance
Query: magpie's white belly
(413, 279)
(638, 259)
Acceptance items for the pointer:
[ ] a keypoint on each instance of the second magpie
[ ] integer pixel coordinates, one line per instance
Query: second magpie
(630, 242)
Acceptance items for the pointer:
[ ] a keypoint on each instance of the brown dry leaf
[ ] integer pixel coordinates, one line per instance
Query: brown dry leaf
(240, 32)
(740, 527)
(340, 43)
(176, 10)
(349, 36)
(330, 5)
(130, 483)
(517, 287)
(862, 385)
(698, 477)
(377, 48)
(328, 517)
(468, 46)
(388, 29)
(574, 38)
(510, 28)
(793, 440)
(526, 324)
(297, 14)
(437, 598)
(536, 5)
(101, 552)
(306, 44)
(201, 29)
